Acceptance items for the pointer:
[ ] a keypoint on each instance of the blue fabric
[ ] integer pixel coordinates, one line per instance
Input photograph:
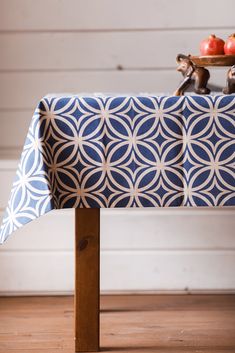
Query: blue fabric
(127, 151)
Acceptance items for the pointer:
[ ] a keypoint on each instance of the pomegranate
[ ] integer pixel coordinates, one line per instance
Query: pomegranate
(229, 46)
(212, 46)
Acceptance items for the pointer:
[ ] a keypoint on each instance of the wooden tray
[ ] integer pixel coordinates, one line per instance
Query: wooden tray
(213, 60)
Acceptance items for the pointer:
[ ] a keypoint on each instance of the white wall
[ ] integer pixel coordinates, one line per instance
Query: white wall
(106, 45)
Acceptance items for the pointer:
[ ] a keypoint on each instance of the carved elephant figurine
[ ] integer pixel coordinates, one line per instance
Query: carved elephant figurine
(192, 73)
(230, 86)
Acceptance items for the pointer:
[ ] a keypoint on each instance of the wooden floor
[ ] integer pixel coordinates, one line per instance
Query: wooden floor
(149, 323)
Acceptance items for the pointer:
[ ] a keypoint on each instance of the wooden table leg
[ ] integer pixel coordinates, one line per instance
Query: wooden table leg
(87, 279)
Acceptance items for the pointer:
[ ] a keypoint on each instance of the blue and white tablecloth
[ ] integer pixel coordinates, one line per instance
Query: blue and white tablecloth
(124, 151)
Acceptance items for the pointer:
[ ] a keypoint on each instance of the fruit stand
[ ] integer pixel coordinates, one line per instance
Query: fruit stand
(214, 52)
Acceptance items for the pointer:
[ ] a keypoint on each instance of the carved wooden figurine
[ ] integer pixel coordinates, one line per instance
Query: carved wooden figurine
(230, 86)
(191, 73)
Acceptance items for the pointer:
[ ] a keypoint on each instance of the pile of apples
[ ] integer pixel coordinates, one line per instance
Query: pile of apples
(216, 46)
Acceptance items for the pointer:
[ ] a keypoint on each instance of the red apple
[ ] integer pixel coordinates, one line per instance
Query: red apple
(212, 46)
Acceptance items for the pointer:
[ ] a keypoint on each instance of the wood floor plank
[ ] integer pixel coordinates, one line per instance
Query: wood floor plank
(129, 324)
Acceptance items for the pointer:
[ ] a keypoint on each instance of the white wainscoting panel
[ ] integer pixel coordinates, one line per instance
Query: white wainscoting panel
(77, 50)
(19, 84)
(114, 15)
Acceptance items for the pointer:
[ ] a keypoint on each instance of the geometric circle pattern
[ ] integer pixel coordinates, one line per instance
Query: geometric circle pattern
(125, 151)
